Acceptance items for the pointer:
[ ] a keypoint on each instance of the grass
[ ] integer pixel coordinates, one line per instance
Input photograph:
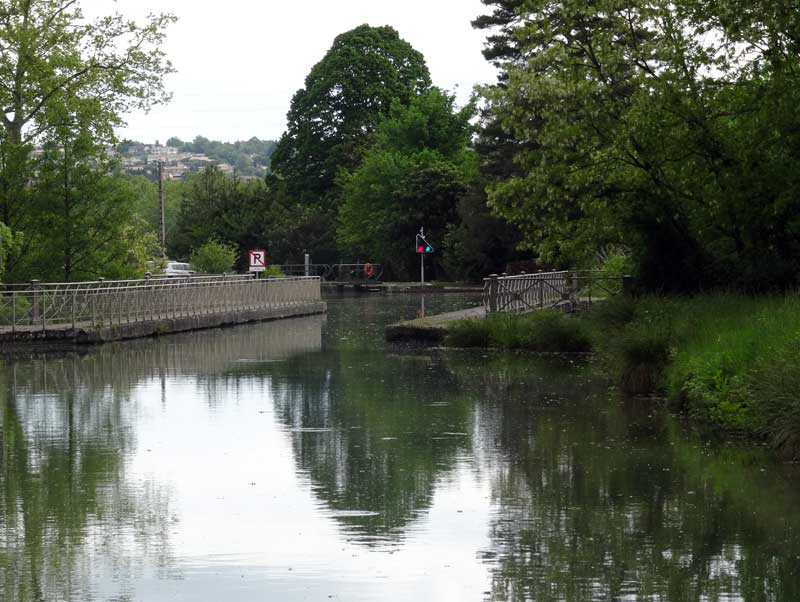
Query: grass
(544, 331)
(729, 361)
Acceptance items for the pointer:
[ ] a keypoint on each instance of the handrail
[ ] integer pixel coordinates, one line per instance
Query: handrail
(101, 303)
(121, 283)
(337, 271)
(526, 292)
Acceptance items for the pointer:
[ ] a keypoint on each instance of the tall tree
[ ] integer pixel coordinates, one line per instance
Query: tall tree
(664, 130)
(345, 94)
(414, 175)
(57, 70)
(216, 206)
(501, 44)
(495, 142)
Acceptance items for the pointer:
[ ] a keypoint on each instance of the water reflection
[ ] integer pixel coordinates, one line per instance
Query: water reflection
(601, 499)
(72, 521)
(374, 432)
(64, 492)
(304, 460)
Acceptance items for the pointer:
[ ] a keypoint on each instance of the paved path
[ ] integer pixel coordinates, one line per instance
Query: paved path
(430, 329)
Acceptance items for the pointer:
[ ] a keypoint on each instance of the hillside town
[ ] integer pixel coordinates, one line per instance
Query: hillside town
(143, 160)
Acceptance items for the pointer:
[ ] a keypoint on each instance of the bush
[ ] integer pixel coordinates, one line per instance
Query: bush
(543, 331)
(468, 333)
(776, 392)
(553, 332)
(213, 257)
(613, 313)
(274, 271)
(641, 355)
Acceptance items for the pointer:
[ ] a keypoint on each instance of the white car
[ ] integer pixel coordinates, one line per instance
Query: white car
(178, 268)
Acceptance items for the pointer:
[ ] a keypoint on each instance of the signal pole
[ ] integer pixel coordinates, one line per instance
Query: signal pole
(422, 260)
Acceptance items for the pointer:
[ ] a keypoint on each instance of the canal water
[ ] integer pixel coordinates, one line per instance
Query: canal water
(306, 460)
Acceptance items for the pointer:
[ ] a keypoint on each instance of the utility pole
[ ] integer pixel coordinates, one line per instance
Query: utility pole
(161, 205)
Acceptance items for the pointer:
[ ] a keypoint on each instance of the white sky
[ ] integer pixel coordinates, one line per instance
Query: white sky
(240, 61)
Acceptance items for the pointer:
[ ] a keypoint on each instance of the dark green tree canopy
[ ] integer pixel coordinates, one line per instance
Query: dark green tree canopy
(412, 176)
(501, 44)
(668, 131)
(65, 84)
(345, 94)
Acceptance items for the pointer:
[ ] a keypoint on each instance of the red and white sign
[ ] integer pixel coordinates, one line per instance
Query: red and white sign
(258, 260)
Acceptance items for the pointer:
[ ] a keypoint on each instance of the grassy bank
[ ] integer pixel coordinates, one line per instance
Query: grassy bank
(543, 331)
(730, 362)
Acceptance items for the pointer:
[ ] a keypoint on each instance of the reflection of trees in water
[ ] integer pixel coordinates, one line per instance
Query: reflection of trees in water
(64, 496)
(67, 427)
(373, 432)
(603, 500)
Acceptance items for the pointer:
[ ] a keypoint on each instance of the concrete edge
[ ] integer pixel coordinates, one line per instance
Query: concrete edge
(64, 338)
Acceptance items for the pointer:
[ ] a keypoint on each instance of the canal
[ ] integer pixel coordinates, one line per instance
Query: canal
(305, 460)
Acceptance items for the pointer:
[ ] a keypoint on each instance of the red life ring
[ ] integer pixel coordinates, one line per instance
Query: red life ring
(369, 270)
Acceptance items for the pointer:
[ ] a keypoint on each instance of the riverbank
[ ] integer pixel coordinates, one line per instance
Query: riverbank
(727, 361)
(432, 329)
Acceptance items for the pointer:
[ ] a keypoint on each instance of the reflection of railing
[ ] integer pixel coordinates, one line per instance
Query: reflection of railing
(526, 292)
(45, 306)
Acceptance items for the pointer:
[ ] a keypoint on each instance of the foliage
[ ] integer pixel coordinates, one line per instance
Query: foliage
(213, 257)
(66, 83)
(468, 333)
(86, 226)
(543, 331)
(9, 245)
(664, 129)
(147, 207)
(251, 214)
(345, 94)
(774, 384)
(414, 175)
(727, 360)
(502, 44)
(495, 143)
(249, 157)
(477, 243)
(274, 271)
(215, 206)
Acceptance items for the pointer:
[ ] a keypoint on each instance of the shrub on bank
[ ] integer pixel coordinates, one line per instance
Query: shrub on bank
(543, 331)
(729, 361)
(468, 333)
(735, 363)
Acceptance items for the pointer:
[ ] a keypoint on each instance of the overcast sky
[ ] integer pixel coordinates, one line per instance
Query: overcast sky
(240, 61)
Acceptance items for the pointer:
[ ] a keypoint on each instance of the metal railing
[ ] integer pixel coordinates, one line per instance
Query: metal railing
(526, 292)
(98, 304)
(337, 272)
(356, 272)
(323, 270)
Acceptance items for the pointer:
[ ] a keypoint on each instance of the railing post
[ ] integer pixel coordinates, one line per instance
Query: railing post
(493, 288)
(575, 289)
(540, 299)
(13, 312)
(35, 309)
(74, 295)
